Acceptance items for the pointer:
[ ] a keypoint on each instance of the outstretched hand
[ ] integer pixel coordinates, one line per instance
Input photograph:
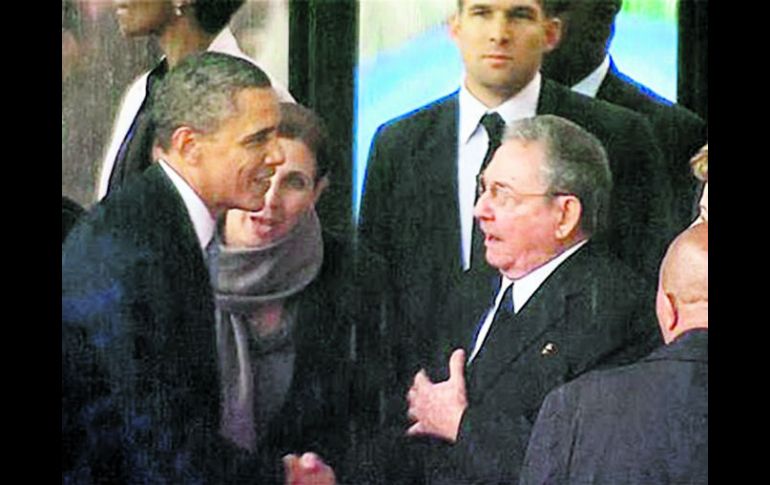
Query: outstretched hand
(309, 469)
(436, 409)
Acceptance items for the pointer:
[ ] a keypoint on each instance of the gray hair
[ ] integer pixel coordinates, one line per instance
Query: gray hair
(577, 164)
(200, 93)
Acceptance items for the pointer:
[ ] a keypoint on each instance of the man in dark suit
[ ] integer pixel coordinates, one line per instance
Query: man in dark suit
(647, 422)
(420, 186)
(564, 305)
(581, 61)
(140, 389)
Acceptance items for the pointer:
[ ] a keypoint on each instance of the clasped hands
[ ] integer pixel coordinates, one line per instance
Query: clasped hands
(435, 409)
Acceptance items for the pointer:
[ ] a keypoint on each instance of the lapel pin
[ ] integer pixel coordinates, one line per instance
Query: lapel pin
(548, 349)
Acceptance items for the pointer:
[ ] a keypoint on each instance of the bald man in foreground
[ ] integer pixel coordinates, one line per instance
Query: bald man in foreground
(647, 422)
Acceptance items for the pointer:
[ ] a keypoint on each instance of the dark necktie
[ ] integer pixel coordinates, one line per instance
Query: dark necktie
(495, 126)
(505, 309)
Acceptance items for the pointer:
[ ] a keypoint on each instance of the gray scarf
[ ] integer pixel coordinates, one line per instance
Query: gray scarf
(255, 350)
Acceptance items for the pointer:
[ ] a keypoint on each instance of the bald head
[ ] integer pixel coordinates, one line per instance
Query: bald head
(684, 273)
(683, 290)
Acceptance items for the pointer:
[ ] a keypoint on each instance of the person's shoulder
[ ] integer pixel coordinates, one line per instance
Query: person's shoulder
(142, 210)
(618, 295)
(598, 384)
(595, 261)
(70, 209)
(628, 92)
(598, 116)
(421, 118)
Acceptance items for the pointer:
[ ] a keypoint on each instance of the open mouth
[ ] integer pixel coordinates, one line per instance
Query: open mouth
(264, 221)
(490, 239)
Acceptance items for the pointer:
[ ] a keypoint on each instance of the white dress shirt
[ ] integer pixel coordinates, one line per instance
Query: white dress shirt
(202, 220)
(590, 84)
(525, 287)
(472, 143)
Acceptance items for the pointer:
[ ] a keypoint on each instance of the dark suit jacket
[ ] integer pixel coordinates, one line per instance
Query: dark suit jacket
(139, 370)
(591, 312)
(644, 423)
(680, 134)
(71, 211)
(410, 215)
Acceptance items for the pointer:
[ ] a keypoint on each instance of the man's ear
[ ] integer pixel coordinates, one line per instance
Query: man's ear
(454, 26)
(571, 210)
(673, 315)
(665, 309)
(320, 186)
(185, 141)
(553, 30)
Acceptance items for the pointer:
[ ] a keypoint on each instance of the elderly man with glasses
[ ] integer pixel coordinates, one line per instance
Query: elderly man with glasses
(562, 305)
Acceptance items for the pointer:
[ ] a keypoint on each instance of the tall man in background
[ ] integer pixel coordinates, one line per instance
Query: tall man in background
(582, 61)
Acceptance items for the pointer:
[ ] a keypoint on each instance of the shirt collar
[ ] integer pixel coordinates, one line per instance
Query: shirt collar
(203, 223)
(590, 84)
(224, 42)
(522, 105)
(528, 284)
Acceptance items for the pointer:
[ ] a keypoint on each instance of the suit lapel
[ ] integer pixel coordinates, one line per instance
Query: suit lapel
(438, 174)
(557, 299)
(551, 95)
(612, 88)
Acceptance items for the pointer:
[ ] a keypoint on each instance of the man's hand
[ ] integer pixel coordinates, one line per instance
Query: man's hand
(307, 470)
(437, 409)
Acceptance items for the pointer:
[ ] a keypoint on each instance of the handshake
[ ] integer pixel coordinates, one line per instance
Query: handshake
(309, 469)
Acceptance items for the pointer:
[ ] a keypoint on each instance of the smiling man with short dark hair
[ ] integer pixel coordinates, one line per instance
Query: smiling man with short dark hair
(140, 388)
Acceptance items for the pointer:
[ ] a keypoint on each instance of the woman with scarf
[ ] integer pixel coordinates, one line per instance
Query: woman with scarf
(285, 301)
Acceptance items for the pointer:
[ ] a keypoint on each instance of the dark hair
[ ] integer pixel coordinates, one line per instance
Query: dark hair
(607, 13)
(200, 92)
(550, 7)
(303, 124)
(213, 15)
(577, 164)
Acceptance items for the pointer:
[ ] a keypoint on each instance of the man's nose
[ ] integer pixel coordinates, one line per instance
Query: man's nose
(273, 195)
(499, 31)
(275, 155)
(482, 210)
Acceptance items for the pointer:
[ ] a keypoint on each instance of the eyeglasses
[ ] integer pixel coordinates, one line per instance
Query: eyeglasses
(504, 197)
